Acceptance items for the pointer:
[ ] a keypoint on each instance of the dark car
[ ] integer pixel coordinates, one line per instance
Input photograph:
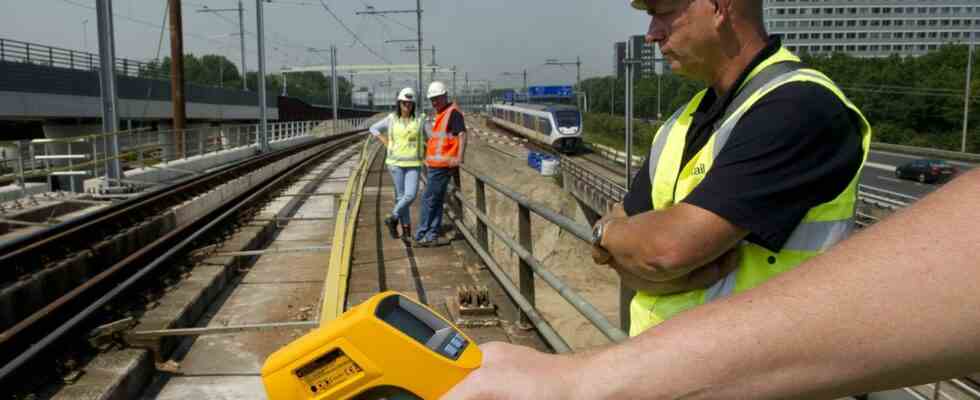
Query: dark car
(926, 171)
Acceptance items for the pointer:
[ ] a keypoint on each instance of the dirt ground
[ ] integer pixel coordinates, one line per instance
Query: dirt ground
(561, 253)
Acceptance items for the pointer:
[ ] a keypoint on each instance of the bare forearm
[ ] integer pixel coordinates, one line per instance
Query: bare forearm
(893, 306)
(666, 245)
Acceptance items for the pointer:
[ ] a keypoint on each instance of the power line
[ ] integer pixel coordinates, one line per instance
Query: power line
(352, 33)
(138, 21)
(339, 21)
(397, 22)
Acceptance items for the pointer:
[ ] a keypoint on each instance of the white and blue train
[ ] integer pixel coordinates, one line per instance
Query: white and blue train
(557, 126)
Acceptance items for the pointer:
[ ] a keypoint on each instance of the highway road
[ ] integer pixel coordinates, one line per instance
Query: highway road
(879, 172)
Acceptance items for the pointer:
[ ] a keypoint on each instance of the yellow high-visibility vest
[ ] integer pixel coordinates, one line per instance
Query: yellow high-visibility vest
(823, 225)
(404, 142)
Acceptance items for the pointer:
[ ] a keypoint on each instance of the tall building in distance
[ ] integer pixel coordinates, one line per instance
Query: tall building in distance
(648, 55)
(871, 28)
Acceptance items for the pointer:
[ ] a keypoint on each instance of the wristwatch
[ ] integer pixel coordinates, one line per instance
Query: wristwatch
(597, 231)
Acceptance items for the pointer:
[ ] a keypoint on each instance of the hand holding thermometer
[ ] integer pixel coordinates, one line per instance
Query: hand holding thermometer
(387, 347)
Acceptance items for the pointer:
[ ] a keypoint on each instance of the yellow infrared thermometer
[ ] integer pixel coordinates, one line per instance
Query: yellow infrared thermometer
(388, 347)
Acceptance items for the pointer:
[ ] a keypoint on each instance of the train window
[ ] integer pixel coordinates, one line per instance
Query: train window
(567, 118)
(529, 120)
(544, 125)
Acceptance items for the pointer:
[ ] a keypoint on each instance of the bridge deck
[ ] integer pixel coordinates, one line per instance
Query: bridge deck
(431, 274)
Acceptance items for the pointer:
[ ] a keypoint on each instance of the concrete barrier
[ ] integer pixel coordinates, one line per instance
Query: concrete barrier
(926, 152)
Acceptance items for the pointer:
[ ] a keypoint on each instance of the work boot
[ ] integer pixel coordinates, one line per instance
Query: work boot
(407, 234)
(392, 225)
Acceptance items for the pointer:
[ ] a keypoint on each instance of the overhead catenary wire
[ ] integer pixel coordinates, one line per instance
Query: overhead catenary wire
(342, 24)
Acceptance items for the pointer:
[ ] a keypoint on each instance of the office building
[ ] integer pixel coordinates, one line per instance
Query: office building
(871, 28)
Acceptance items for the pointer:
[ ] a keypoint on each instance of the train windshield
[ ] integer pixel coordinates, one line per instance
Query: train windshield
(567, 118)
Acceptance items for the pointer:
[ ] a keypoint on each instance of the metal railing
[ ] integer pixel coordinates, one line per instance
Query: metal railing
(529, 266)
(90, 156)
(38, 54)
(605, 192)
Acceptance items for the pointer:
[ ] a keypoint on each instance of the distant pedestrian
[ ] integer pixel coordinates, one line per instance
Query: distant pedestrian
(404, 159)
(445, 146)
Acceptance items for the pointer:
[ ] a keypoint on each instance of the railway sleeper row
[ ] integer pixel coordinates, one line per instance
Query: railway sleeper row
(34, 291)
(69, 273)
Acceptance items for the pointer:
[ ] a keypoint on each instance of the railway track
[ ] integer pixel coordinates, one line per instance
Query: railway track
(58, 283)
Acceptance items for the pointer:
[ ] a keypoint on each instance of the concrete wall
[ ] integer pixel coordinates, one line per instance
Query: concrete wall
(45, 105)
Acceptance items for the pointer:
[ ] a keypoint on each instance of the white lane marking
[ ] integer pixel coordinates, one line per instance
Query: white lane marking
(885, 167)
(892, 179)
(913, 157)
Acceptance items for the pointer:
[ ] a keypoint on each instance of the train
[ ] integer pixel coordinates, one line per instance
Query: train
(557, 126)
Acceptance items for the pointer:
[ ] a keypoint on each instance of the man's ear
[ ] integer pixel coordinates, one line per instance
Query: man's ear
(724, 9)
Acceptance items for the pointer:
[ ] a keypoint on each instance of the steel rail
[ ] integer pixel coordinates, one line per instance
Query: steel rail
(44, 324)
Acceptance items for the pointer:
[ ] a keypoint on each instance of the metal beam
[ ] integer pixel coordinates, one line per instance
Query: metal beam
(219, 330)
(107, 80)
(360, 69)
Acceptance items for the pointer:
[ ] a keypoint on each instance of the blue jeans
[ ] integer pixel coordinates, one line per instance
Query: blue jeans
(406, 185)
(430, 215)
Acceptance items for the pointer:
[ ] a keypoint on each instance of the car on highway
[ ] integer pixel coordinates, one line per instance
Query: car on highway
(926, 171)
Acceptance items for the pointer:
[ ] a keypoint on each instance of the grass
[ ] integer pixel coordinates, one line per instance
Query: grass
(611, 131)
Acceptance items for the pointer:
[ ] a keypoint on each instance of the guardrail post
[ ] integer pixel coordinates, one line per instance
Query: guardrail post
(91, 62)
(27, 51)
(524, 269)
(481, 204)
(20, 167)
(50, 57)
(3, 51)
(71, 59)
(95, 157)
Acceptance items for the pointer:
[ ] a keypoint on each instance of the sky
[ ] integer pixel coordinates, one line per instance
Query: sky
(489, 40)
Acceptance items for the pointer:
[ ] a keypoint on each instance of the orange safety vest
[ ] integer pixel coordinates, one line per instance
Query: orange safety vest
(442, 148)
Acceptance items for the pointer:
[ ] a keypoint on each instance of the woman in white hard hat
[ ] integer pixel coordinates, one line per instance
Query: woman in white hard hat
(401, 133)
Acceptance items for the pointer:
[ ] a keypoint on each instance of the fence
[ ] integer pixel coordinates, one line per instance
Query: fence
(529, 266)
(91, 156)
(32, 53)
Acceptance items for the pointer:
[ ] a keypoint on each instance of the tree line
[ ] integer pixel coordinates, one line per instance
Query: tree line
(916, 101)
(218, 71)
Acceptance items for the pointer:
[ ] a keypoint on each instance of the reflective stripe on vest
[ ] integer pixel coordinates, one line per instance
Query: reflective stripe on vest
(442, 148)
(823, 226)
(404, 142)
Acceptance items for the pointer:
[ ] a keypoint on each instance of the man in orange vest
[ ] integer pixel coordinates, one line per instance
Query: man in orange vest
(443, 155)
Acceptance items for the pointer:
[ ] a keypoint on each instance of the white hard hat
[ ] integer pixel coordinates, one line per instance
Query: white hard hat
(436, 89)
(407, 94)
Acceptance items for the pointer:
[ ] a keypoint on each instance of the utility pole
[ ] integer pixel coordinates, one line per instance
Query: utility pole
(285, 92)
(525, 84)
(263, 108)
(578, 67)
(455, 97)
(418, 12)
(333, 84)
(241, 33)
(966, 95)
(107, 80)
(177, 75)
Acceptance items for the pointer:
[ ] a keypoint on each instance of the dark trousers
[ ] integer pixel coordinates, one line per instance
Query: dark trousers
(433, 201)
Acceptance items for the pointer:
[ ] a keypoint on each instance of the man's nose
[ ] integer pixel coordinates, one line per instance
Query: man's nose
(655, 31)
